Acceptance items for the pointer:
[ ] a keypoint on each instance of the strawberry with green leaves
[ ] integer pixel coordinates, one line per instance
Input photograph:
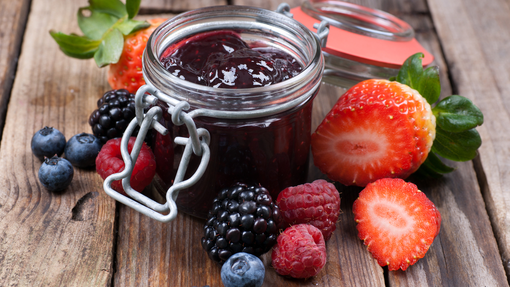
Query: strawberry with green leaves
(388, 129)
(396, 221)
(112, 37)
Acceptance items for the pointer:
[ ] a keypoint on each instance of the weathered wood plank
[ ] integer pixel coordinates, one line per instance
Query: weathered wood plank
(167, 6)
(13, 17)
(476, 40)
(49, 239)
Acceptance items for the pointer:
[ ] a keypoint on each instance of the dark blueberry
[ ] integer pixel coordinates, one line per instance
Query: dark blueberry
(247, 221)
(48, 142)
(243, 270)
(56, 173)
(260, 225)
(82, 149)
(247, 207)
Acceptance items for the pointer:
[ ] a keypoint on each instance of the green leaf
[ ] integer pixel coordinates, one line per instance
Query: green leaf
(113, 7)
(457, 114)
(411, 70)
(95, 25)
(110, 48)
(129, 26)
(460, 146)
(434, 163)
(76, 46)
(132, 7)
(429, 85)
(425, 82)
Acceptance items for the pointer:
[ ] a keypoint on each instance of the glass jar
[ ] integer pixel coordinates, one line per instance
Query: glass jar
(257, 135)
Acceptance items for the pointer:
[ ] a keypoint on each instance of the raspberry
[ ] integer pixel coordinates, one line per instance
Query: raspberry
(109, 161)
(300, 251)
(243, 219)
(316, 203)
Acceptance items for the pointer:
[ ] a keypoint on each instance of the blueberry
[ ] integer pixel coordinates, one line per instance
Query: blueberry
(56, 173)
(243, 270)
(82, 150)
(48, 142)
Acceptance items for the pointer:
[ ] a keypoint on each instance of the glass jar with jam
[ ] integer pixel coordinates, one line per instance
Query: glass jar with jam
(249, 77)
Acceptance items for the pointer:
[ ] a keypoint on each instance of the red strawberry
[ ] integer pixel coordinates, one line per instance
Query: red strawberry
(300, 251)
(109, 161)
(316, 203)
(396, 221)
(377, 129)
(127, 72)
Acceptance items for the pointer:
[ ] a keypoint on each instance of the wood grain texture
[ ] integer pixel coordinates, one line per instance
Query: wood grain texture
(476, 40)
(48, 239)
(13, 17)
(167, 6)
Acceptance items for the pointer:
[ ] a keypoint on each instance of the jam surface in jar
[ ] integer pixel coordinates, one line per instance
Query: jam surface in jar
(221, 59)
(272, 151)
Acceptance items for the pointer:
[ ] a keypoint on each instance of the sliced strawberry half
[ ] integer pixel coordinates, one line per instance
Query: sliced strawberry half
(377, 129)
(396, 222)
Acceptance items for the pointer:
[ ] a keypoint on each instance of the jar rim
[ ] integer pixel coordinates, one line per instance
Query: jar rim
(211, 18)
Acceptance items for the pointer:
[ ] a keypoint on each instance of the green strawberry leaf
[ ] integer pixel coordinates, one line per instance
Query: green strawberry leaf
(110, 48)
(457, 114)
(459, 146)
(434, 165)
(112, 7)
(129, 26)
(426, 82)
(95, 25)
(76, 46)
(132, 7)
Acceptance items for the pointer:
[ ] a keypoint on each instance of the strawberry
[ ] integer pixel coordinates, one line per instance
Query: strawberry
(111, 37)
(396, 222)
(127, 72)
(387, 129)
(377, 129)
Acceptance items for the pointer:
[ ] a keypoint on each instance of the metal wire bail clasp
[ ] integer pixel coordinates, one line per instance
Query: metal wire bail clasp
(197, 143)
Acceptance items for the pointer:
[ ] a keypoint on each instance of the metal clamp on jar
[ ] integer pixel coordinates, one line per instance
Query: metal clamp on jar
(217, 135)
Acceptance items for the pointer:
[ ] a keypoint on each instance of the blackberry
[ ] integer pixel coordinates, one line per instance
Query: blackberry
(115, 110)
(243, 219)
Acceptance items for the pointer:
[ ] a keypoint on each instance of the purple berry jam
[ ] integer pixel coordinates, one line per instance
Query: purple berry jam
(220, 59)
(272, 151)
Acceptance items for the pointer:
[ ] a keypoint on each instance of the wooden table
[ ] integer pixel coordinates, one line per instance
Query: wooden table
(84, 238)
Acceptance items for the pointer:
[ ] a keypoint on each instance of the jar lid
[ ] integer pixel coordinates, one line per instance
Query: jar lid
(362, 34)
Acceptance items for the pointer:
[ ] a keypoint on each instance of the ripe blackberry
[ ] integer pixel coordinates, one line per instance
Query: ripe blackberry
(243, 219)
(115, 110)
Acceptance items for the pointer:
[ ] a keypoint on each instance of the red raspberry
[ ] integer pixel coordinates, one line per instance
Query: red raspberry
(109, 161)
(316, 203)
(300, 251)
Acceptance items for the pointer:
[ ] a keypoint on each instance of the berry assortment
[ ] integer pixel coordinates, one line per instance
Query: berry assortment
(365, 140)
